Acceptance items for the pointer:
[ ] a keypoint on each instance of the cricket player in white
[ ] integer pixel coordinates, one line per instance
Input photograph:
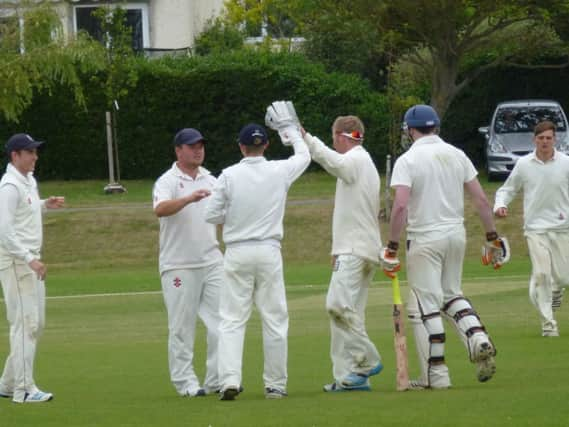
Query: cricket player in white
(249, 200)
(355, 250)
(543, 177)
(191, 264)
(22, 272)
(429, 182)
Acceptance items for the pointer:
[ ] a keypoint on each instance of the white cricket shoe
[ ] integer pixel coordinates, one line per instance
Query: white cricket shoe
(36, 397)
(275, 393)
(483, 353)
(4, 392)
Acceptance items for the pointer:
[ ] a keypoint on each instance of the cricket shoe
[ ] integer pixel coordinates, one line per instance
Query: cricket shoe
(483, 356)
(550, 332)
(4, 392)
(274, 393)
(217, 390)
(354, 379)
(229, 393)
(419, 385)
(335, 387)
(200, 392)
(36, 397)
(557, 298)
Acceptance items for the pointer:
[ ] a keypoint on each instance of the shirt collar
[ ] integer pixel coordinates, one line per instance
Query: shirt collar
(11, 169)
(537, 159)
(253, 159)
(202, 172)
(427, 139)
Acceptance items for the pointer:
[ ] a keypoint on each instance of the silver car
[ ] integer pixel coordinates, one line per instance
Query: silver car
(510, 133)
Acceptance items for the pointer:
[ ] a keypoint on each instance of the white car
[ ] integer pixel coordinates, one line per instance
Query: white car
(510, 133)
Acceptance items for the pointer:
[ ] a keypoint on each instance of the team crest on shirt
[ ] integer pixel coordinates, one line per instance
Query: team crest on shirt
(561, 216)
(177, 282)
(181, 184)
(29, 200)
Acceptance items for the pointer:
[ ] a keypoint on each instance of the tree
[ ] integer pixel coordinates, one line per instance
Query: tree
(452, 42)
(38, 57)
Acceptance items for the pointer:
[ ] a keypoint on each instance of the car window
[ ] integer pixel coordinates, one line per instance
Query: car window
(524, 119)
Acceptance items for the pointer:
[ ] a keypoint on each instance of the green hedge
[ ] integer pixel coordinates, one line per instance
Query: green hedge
(216, 94)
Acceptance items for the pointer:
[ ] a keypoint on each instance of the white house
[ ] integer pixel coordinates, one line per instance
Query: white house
(159, 26)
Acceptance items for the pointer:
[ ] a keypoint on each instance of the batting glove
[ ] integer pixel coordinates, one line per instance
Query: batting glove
(496, 250)
(390, 262)
(281, 116)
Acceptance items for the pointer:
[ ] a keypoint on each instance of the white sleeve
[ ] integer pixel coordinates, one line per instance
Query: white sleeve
(9, 198)
(299, 161)
(506, 193)
(216, 206)
(161, 192)
(333, 162)
(401, 173)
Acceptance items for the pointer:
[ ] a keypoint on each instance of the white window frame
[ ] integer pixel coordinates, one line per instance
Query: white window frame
(128, 6)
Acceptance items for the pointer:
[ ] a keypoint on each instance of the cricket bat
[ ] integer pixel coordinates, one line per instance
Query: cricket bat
(400, 340)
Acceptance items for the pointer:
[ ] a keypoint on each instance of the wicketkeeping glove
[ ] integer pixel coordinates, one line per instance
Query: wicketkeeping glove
(281, 116)
(389, 261)
(496, 250)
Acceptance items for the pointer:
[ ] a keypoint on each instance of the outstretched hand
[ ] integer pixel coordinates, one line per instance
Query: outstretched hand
(54, 202)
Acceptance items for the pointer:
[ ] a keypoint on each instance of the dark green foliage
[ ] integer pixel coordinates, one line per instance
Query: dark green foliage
(216, 94)
(218, 38)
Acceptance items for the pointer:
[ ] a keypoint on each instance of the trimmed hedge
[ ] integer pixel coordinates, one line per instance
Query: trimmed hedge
(216, 94)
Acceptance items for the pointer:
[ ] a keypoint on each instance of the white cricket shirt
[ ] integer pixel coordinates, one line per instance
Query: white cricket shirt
(355, 222)
(20, 217)
(186, 240)
(250, 196)
(436, 173)
(546, 191)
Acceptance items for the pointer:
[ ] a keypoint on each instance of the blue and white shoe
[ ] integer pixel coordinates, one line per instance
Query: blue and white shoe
(36, 397)
(356, 379)
(335, 387)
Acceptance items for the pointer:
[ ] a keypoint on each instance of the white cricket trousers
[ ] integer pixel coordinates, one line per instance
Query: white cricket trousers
(549, 254)
(253, 274)
(190, 293)
(351, 350)
(24, 295)
(434, 272)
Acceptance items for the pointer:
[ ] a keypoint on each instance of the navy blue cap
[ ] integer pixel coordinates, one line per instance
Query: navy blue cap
(188, 136)
(253, 134)
(21, 141)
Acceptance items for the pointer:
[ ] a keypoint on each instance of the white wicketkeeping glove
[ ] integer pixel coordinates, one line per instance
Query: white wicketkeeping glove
(496, 252)
(281, 116)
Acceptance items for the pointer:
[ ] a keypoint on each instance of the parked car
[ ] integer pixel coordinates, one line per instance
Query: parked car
(510, 133)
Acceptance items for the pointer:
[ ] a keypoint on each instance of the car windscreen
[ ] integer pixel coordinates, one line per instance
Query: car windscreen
(524, 119)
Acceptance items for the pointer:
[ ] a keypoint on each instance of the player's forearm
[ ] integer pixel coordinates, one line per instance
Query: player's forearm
(333, 162)
(397, 222)
(171, 207)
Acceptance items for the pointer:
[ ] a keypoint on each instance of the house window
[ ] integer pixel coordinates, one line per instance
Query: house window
(136, 19)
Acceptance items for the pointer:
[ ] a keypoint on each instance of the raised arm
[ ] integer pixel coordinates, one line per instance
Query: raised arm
(333, 162)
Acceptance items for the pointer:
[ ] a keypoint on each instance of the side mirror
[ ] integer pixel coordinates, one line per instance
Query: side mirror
(483, 130)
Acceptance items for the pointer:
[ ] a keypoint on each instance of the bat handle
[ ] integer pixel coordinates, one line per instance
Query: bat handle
(396, 290)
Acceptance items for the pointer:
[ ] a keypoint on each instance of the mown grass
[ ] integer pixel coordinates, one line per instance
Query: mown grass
(105, 356)
(105, 359)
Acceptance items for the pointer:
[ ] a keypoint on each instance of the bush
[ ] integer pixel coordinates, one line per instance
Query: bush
(217, 94)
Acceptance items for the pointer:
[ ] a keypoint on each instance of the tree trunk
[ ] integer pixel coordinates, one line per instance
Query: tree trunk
(444, 88)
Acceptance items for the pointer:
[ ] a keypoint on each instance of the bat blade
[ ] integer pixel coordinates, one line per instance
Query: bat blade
(400, 339)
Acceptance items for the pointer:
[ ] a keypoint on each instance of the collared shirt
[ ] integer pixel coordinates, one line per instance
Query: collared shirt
(546, 191)
(186, 240)
(355, 223)
(250, 196)
(20, 217)
(436, 173)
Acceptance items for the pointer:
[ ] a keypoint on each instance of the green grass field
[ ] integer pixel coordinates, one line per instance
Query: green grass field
(104, 356)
